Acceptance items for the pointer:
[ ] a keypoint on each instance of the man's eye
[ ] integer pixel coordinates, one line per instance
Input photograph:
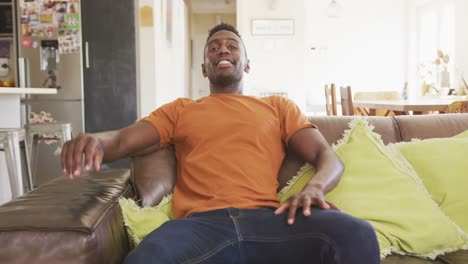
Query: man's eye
(214, 49)
(232, 47)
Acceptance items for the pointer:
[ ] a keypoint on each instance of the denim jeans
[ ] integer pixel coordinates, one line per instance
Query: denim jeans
(258, 236)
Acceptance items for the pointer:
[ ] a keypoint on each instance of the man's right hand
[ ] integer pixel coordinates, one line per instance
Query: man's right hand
(73, 151)
(107, 146)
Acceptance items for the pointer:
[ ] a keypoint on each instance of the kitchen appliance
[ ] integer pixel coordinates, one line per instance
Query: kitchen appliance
(6, 19)
(50, 56)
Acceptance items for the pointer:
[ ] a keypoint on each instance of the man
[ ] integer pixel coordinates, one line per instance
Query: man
(229, 149)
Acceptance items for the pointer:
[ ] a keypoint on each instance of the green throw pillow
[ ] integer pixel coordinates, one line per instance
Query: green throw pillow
(140, 221)
(462, 135)
(379, 188)
(442, 165)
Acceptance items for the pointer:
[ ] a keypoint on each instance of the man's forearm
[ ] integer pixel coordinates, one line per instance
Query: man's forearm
(138, 138)
(111, 145)
(309, 144)
(328, 170)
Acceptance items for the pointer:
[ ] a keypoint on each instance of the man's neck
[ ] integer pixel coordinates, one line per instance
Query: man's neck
(234, 89)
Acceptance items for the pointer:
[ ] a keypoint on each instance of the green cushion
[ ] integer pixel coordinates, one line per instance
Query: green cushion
(139, 221)
(377, 186)
(442, 164)
(462, 135)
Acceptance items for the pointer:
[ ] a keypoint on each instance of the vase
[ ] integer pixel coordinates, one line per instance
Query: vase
(444, 78)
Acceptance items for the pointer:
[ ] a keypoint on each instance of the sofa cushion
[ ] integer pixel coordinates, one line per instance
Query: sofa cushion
(140, 221)
(332, 127)
(458, 257)
(396, 259)
(67, 221)
(379, 188)
(442, 165)
(431, 126)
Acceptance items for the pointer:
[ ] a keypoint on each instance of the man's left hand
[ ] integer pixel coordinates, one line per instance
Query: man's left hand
(309, 196)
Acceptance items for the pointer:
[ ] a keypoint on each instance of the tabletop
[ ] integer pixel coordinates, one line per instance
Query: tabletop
(416, 105)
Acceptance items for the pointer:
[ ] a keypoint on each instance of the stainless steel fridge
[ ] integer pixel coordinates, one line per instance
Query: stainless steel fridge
(50, 56)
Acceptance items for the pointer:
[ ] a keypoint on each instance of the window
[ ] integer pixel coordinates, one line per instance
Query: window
(436, 24)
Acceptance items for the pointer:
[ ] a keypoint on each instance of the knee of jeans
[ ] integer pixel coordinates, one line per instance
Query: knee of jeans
(365, 230)
(352, 227)
(134, 257)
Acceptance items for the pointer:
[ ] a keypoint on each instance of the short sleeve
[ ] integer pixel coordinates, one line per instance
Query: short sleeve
(164, 119)
(291, 118)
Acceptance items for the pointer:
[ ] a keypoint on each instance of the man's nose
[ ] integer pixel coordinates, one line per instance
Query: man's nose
(224, 49)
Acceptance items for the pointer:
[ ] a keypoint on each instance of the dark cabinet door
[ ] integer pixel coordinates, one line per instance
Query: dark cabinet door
(110, 84)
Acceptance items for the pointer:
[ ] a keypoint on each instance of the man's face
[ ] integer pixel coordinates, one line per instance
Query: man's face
(225, 59)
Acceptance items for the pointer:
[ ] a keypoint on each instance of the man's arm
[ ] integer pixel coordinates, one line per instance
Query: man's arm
(309, 144)
(106, 146)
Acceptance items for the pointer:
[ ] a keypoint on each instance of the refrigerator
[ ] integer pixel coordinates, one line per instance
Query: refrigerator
(49, 54)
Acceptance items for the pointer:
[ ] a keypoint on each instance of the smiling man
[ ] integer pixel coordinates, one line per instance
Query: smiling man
(229, 149)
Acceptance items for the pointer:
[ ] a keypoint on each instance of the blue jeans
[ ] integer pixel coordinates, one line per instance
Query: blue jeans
(258, 236)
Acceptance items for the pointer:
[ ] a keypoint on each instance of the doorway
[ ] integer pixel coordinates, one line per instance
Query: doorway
(204, 15)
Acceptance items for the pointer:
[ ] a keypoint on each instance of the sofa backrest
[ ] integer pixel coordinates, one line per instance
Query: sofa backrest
(154, 174)
(431, 126)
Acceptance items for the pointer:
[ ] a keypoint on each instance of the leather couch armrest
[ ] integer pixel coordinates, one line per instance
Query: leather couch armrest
(67, 221)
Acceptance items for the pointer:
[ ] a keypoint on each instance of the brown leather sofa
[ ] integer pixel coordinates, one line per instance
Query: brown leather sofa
(79, 221)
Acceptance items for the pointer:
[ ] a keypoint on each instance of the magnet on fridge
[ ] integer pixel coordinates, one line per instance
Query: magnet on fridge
(35, 44)
(26, 42)
(50, 32)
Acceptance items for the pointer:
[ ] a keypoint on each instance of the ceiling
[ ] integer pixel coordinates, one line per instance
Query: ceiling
(213, 6)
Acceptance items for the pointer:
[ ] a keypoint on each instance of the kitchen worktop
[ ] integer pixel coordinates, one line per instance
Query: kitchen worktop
(16, 90)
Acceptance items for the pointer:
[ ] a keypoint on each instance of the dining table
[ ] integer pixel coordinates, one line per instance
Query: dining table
(415, 106)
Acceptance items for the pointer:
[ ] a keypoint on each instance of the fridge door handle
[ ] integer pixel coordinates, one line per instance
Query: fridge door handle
(87, 55)
(23, 72)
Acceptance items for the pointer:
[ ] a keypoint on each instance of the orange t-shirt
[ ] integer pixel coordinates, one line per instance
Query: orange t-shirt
(229, 149)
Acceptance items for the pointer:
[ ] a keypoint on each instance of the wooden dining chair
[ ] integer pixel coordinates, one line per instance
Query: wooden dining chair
(330, 99)
(457, 107)
(347, 108)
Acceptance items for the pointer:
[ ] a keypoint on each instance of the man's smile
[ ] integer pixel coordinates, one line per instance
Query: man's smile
(224, 63)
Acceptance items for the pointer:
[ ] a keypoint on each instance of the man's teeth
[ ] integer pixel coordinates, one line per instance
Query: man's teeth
(223, 62)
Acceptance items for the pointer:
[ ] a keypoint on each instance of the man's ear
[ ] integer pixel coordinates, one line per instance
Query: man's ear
(203, 67)
(247, 66)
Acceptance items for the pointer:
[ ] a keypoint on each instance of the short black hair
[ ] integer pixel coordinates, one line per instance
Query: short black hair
(227, 27)
(223, 26)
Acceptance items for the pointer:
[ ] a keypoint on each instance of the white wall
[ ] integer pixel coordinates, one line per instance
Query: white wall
(171, 65)
(461, 39)
(146, 63)
(277, 62)
(163, 60)
(365, 47)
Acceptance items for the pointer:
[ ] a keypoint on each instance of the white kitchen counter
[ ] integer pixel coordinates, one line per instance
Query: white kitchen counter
(10, 117)
(15, 90)
(10, 104)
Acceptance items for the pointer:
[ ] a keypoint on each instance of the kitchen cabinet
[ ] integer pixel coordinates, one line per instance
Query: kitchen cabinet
(109, 70)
